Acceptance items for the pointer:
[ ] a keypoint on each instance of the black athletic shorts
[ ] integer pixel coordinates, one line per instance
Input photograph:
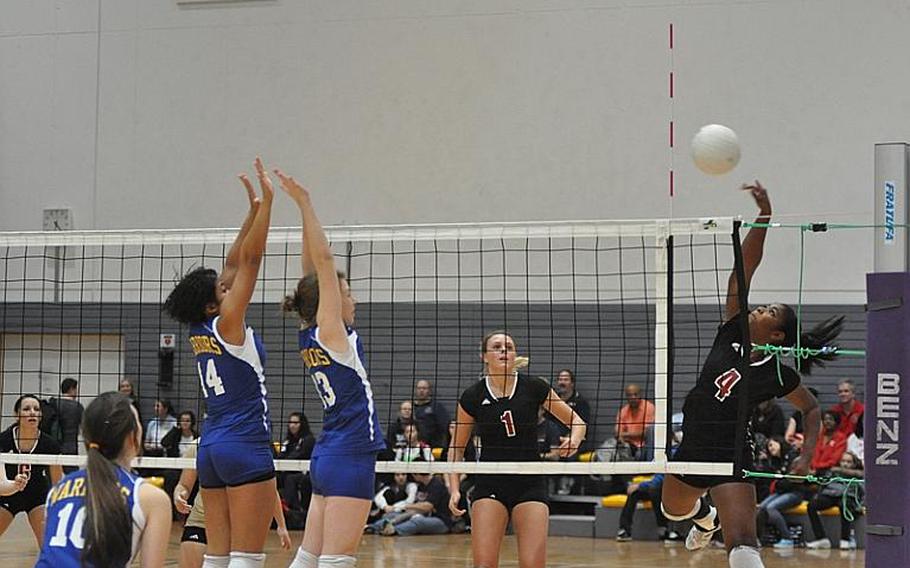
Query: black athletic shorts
(194, 534)
(511, 490)
(695, 454)
(24, 501)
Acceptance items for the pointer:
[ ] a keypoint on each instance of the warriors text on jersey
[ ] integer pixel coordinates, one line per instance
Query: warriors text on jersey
(350, 425)
(507, 426)
(711, 409)
(233, 384)
(63, 535)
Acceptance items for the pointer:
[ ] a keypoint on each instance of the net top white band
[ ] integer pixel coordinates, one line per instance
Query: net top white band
(367, 233)
(512, 468)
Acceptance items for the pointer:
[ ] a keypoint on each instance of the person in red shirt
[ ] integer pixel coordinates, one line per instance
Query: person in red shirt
(848, 409)
(831, 444)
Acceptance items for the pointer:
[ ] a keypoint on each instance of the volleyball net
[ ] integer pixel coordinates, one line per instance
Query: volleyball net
(619, 303)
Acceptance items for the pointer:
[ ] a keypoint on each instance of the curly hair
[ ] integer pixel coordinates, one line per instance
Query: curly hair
(191, 296)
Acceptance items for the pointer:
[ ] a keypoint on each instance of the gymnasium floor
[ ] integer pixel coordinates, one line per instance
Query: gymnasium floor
(17, 550)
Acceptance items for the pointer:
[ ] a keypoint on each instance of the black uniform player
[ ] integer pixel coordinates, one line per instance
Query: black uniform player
(503, 408)
(31, 483)
(712, 414)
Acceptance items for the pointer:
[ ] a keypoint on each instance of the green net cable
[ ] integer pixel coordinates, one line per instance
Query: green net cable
(851, 490)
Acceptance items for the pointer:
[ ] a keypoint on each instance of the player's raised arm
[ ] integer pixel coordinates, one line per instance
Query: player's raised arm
(235, 302)
(232, 261)
(753, 247)
(332, 331)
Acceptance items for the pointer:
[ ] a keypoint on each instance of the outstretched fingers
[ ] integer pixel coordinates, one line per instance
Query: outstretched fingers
(265, 182)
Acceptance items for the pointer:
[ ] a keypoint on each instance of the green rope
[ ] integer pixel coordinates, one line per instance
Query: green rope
(806, 352)
(850, 482)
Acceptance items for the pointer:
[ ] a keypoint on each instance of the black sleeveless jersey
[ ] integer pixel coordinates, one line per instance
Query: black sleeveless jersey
(507, 426)
(711, 409)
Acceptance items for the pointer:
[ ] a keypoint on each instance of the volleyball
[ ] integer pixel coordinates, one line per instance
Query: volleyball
(715, 149)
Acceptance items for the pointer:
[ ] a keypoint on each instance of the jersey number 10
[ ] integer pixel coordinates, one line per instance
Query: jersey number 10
(63, 522)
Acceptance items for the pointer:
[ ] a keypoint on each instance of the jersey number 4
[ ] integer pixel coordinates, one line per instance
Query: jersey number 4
(725, 384)
(60, 537)
(210, 378)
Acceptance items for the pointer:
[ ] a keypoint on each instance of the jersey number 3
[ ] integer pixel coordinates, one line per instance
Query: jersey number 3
(324, 388)
(210, 378)
(507, 421)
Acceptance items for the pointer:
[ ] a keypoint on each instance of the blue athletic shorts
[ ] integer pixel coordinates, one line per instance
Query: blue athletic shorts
(229, 464)
(344, 476)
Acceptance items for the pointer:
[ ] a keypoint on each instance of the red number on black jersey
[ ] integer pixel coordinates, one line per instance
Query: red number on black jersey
(725, 384)
(506, 419)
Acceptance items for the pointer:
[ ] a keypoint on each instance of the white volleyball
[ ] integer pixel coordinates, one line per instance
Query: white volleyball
(715, 149)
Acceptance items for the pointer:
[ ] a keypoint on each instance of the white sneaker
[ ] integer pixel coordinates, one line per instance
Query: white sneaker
(847, 544)
(820, 543)
(698, 539)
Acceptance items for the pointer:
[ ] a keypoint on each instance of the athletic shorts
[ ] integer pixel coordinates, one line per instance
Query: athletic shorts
(24, 501)
(194, 534)
(344, 475)
(695, 454)
(511, 490)
(230, 464)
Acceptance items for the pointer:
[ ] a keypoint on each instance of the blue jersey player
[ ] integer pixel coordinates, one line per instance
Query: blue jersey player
(234, 463)
(342, 469)
(104, 515)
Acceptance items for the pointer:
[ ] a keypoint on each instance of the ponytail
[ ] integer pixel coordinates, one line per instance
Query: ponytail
(107, 423)
(819, 340)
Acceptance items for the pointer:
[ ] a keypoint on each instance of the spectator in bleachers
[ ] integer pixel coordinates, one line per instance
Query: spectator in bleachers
(429, 514)
(831, 444)
(391, 501)
(776, 458)
(126, 387)
(158, 427)
(294, 487)
(415, 448)
(648, 490)
(855, 443)
(634, 420)
(431, 417)
(833, 494)
(768, 420)
(848, 409)
(177, 442)
(795, 424)
(470, 451)
(565, 388)
(69, 417)
(395, 436)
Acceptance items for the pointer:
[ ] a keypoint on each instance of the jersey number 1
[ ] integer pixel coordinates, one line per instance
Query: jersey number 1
(506, 419)
(210, 378)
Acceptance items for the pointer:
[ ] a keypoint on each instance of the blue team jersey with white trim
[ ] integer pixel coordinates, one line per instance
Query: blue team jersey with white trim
(63, 531)
(350, 424)
(233, 384)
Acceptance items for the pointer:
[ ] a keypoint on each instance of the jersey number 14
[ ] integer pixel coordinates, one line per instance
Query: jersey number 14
(210, 378)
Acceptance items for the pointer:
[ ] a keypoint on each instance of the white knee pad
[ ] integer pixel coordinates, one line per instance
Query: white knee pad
(304, 559)
(215, 561)
(685, 517)
(337, 561)
(247, 560)
(745, 557)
